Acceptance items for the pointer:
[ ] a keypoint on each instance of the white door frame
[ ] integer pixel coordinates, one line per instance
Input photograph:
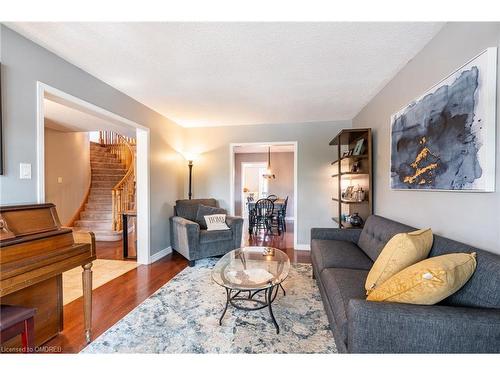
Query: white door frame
(295, 179)
(142, 160)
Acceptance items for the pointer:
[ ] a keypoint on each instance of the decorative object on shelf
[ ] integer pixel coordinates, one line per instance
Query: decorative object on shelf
(268, 251)
(445, 139)
(355, 220)
(359, 148)
(348, 193)
(355, 168)
(359, 194)
(269, 174)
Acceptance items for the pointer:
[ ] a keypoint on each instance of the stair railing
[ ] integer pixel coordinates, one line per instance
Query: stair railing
(123, 193)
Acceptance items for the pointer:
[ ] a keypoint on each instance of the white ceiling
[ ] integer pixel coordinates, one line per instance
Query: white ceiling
(210, 74)
(63, 118)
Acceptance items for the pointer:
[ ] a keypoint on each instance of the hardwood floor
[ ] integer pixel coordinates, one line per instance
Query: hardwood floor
(113, 300)
(113, 249)
(283, 242)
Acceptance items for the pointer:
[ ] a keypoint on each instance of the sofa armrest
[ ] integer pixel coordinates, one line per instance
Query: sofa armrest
(185, 236)
(380, 327)
(336, 234)
(236, 225)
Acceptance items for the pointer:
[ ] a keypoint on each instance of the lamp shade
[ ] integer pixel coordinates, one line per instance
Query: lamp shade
(190, 156)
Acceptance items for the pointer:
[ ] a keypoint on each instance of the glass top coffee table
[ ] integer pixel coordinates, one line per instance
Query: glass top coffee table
(254, 271)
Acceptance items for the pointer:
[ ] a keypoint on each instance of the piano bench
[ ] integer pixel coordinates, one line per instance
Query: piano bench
(17, 320)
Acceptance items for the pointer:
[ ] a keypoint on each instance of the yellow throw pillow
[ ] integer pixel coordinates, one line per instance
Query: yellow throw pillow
(402, 250)
(428, 281)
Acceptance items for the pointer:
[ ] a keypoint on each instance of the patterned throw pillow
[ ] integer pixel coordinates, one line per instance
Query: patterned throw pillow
(207, 210)
(216, 222)
(427, 282)
(402, 250)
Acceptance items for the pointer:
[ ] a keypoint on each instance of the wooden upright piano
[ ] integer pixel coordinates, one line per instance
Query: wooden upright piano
(34, 252)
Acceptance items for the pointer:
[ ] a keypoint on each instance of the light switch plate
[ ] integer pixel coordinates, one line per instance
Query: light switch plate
(25, 171)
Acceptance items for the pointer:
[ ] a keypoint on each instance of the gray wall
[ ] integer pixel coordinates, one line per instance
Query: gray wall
(23, 64)
(211, 171)
(282, 185)
(473, 218)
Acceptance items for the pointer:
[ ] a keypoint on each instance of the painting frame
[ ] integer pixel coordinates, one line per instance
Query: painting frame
(487, 151)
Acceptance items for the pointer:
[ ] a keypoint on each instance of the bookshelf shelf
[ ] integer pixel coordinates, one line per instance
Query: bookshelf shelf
(352, 172)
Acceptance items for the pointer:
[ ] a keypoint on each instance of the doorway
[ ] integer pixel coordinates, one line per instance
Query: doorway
(284, 166)
(113, 123)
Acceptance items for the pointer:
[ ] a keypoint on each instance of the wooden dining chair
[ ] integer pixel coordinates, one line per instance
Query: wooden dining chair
(264, 211)
(273, 198)
(282, 215)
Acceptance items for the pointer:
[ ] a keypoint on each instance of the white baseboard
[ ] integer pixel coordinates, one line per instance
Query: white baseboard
(160, 254)
(289, 218)
(303, 246)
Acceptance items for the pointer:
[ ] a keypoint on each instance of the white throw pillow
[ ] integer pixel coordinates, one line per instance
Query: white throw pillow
(216, 222)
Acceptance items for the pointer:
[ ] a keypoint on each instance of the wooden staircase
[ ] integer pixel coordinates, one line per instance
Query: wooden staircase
(109, 171)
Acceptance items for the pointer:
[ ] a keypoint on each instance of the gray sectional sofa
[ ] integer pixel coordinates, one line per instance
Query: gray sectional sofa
(466, 322)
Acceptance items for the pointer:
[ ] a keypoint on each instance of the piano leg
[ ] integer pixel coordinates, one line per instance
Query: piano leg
(87, 300)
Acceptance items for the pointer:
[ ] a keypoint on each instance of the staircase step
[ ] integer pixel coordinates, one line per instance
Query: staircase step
(107, 177)
(100, 191)
(94, 206)
(96, 215)
(103, 158)
(101, 152)
(104, 235)
(98, 165)
(94, 224)
(103, 184)
(108, 171)
(100, 198)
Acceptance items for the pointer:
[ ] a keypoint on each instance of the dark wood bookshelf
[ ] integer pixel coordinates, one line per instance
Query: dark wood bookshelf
(345, 175)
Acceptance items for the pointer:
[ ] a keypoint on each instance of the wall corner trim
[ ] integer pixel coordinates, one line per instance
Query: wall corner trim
(160, 254)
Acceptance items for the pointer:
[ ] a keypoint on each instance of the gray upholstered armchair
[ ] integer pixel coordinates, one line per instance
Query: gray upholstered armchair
(193, 242)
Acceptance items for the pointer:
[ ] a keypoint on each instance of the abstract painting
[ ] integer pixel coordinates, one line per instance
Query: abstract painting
(445, 139)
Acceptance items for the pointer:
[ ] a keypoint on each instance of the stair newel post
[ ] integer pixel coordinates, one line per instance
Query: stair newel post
(113, 208)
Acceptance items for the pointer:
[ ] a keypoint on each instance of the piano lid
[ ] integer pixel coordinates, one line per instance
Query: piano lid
(29, 221)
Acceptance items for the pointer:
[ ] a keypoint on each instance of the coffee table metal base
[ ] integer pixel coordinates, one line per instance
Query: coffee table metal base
(235, 299)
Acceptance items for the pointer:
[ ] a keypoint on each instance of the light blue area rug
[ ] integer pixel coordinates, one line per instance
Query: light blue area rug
(183, 317)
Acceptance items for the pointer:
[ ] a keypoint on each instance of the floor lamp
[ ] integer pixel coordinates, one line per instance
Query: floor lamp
(190, 158)
(190, 165)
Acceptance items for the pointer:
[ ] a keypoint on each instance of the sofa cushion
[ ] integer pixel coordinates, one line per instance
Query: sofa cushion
(338, 254)
(341, 285)
(188, 208)
(206, 211)
(215, 235)
(377, 232)
(483, 288)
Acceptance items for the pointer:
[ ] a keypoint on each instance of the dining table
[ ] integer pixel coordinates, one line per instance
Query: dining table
(278, 205)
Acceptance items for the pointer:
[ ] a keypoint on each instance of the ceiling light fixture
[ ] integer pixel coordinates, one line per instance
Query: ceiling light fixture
(269, 174)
